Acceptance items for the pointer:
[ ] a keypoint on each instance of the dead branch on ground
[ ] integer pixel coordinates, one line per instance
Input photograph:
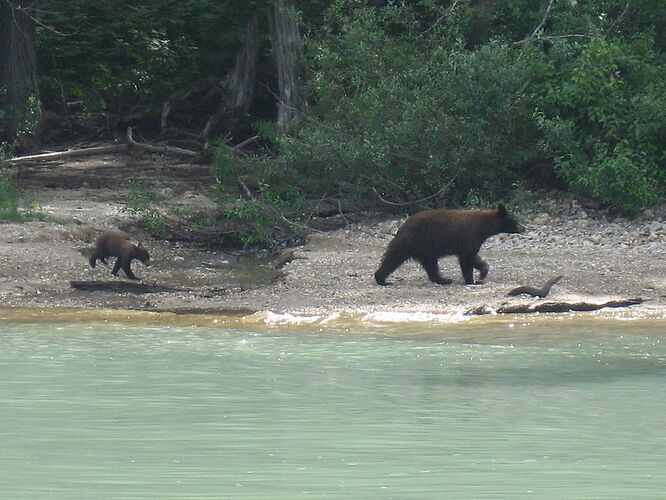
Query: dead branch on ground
(554, 307)
(113, 148)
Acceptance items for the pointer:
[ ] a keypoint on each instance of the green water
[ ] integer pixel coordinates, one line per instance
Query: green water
(106, 410)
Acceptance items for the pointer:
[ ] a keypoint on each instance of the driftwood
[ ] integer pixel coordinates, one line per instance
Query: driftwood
(70, 153)
(554, 307)
(123, 287)
(534, 291)
(158, 149)
(113, 148)
(249, 186)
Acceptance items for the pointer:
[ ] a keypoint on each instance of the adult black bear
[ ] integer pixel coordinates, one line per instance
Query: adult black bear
(116, 244)
(429, 235)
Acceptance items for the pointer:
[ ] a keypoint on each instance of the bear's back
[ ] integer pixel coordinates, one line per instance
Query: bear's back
(442, 232)
(114, 243)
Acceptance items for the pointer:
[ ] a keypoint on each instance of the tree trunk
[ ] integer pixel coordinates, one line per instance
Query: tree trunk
(19, 94)
(288, 54)
(238, 86)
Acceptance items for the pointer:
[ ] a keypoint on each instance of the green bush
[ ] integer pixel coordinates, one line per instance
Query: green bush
(405, 120)
(604, 123)
(140, 200)
(9, 198)
(406, 111)
(116, 55)
(12, 207)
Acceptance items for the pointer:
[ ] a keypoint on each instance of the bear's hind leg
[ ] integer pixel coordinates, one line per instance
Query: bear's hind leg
(116, 267)
(482, 266)
(431, 267)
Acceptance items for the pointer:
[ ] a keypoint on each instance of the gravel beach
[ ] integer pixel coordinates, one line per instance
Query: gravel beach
(600, 258)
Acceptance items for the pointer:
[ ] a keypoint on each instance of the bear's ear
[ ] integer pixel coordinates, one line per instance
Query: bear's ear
(501, 210)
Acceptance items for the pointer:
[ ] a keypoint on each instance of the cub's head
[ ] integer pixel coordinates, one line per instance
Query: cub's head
(508, 224)
(142, 254)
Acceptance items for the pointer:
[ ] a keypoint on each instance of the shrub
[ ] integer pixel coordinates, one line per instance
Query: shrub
(604, 124)
(9, 198)
(405, 120)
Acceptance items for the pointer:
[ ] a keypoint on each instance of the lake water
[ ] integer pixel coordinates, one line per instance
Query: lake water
(563, 408)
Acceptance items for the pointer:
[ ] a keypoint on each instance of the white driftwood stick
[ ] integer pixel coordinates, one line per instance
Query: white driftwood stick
(158, 149)
(56, 155)
(114, 148)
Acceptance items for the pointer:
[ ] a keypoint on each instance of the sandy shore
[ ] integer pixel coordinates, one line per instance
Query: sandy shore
(600, 259)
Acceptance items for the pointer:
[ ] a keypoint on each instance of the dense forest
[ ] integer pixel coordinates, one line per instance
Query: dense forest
(400, 103)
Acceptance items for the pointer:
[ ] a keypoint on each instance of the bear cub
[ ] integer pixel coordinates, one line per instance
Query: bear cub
(117, 244)
(429, 235)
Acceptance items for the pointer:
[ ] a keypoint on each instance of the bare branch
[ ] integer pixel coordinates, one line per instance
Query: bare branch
(244, 143)
(539, 28)
(158, 149)
(561, 37)
(448, 12)
(624, 12)
(114, 148)
(416, 202)
(70, 153)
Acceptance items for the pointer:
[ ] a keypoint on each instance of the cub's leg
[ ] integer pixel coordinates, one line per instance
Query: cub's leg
(482, 266)
(432, 268)
(128, 271)
(116, 267)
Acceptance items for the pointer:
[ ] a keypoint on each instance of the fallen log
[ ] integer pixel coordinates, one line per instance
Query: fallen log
(157, 149)
(553, 307)
(113, 148)
(559, 307)
(70, 153)
(123, 287)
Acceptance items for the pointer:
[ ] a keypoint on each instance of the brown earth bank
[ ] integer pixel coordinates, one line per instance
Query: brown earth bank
(601, 258)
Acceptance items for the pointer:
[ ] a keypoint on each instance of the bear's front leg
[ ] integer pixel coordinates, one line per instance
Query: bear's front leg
(467, 267)
(128, 270)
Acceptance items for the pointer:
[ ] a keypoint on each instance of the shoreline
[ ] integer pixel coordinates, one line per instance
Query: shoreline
(600, 258)
(391, 324)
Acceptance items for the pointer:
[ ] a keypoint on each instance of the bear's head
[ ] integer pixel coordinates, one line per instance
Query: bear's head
(142, 254)
(508, 223)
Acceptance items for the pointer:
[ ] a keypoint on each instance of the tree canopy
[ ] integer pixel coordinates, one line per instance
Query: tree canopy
(421, 102)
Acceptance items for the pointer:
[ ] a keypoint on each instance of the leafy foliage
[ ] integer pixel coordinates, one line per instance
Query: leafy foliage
(420, 102)
(140, 201)
(9, 198)
(116, 54)
(603, 125)
(428, 103)
(13, 207)
(405, 120)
